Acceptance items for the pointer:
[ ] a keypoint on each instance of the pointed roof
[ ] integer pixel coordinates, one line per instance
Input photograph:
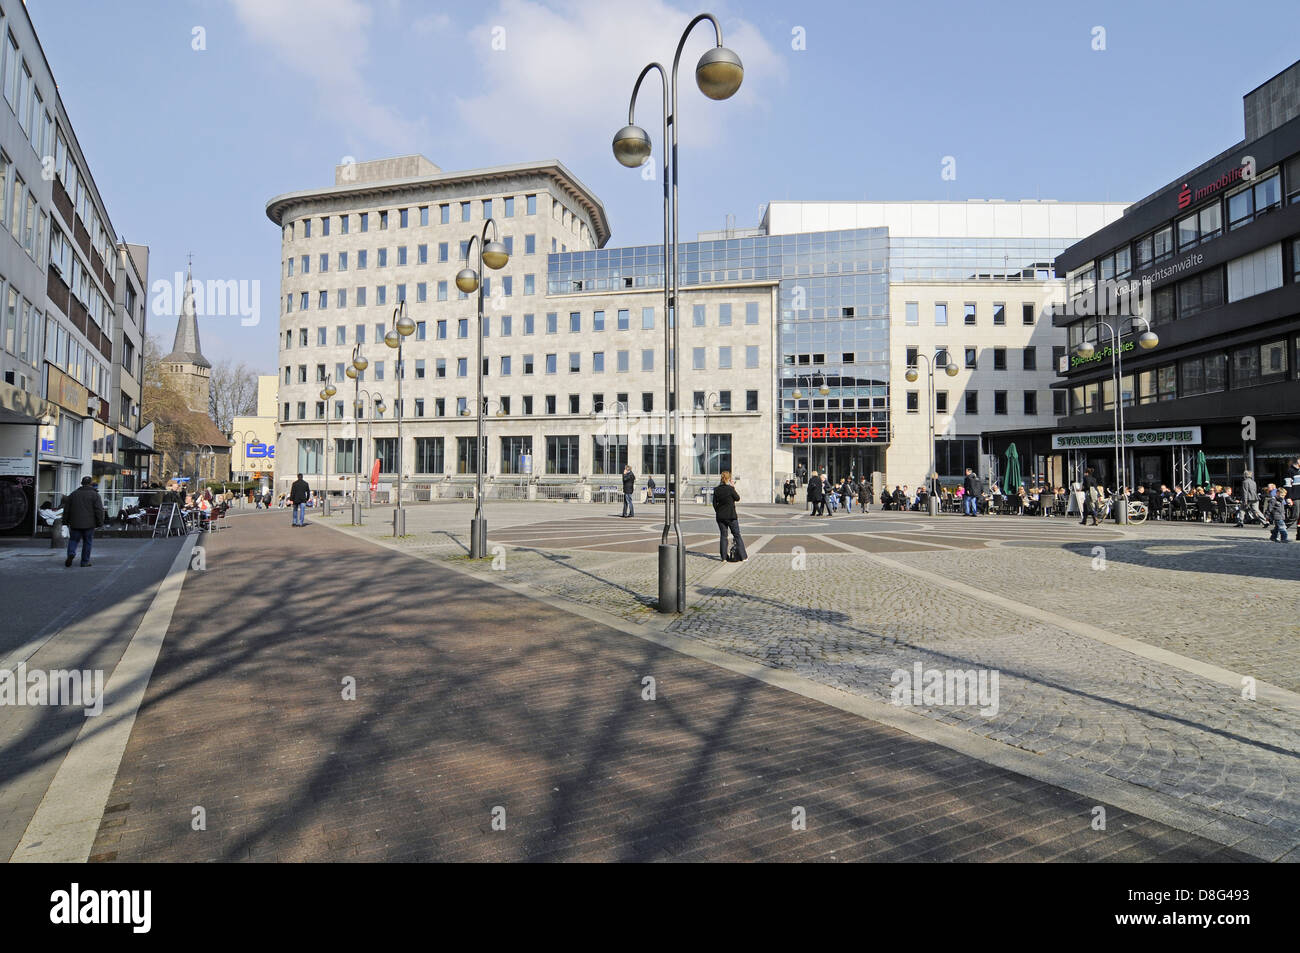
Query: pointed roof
(185, 349)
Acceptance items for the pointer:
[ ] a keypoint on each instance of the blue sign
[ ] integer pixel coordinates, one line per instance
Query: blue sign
(47, 446)
(259, 450)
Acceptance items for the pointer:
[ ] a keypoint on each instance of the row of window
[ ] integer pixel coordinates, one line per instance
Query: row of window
(710, 456)
(403, 217)
(550, 364)
(970, 314)
(971, 402)
(528, 326)
(1028, 357)
(1265, 193)
(1251, 365)
(1262, 270)
(301, 265)
(550, 405)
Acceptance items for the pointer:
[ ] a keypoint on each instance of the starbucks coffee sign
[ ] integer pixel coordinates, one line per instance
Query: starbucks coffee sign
(1171, 437)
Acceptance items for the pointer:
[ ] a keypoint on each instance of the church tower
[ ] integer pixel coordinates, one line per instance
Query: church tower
(186, 366)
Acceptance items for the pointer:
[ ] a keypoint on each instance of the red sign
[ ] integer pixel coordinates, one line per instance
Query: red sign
(833, 432)
(374, 477)
(1235, 174)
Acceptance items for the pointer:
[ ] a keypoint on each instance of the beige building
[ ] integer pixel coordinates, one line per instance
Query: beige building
(253, 439)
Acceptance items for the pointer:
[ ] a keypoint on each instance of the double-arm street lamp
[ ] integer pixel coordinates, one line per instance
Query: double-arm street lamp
(353, 371)
(718, 74)
(378, 407)
(239, 438)
(951, 370)
(403, 327)
(326, 392)
(493, 254)
(1085, 351)
(619, 409)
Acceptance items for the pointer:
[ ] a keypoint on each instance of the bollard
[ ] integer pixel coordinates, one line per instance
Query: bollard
(668, 578)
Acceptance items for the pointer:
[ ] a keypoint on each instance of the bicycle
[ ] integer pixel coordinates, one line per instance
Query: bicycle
(1137, 512)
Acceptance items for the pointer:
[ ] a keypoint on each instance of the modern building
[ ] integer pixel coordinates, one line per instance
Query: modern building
(818, 295)
(135, 457)
(59, 269)
(1214, 261)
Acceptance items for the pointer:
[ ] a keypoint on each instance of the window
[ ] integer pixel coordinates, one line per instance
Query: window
(513, 452)
(941, 402)
(647, 359)
(648, 318)
(383, 220)
(550, 404)
(462, 366)
(530, 204)
(444, 214)
(913, 311)
(575, 362)
(1031, 359)
(999, 359)
(1027, 315)
(724, 315)
(1200, 293)
(341, 334)
(464, 211)
(1000, 402)
(913, 401)
(999, 314)
(598, 320)
(598, 362)
(952, 457)
(462, 328)
(550, 363)
(622, 361)
(1259, 364)
(647, 402)
(969, 313)
(1255, 273)
(1031, 403)
(972, 358)
(1207, 374)
(381, 294)
(972, 402)
(506, 324)
(1200, 226)
(364, 221)
(751, 312)
(361, 259)
(428, 455)
(624, 319)
(575, 322)
(466, 452)
(1254, 200)
(562, 455)
(751, 355)
(1059, 403)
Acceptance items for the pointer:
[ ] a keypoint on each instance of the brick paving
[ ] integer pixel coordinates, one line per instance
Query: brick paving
(471, 698)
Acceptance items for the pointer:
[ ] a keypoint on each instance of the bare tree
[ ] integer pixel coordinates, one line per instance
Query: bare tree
(162, 403)
(233, 393)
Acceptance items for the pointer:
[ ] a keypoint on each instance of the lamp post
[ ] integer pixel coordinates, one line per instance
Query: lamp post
(709, 404)
(198, 462)
(1085, 351)
(481, 451)
(239, 438)
(353, 371)
(797, 394)
(493, 254)
(951, 370)
(378, 407)
(326, 393)
(718, 74)
(619, 406)
(403, 327)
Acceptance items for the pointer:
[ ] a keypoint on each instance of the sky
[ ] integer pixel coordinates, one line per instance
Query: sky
(193, 113)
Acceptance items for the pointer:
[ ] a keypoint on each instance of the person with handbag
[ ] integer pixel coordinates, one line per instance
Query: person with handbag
(725, 499)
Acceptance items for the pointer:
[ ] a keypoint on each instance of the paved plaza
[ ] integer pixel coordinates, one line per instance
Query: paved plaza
(333, 693)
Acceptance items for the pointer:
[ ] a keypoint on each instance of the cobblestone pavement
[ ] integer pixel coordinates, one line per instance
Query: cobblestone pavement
(845, 613)
(487, 725)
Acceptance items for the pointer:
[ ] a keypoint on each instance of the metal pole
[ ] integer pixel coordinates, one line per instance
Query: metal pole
(325, 495)
(399, 514)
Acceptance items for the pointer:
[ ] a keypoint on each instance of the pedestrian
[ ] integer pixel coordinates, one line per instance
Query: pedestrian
(629, 487)
(971, 495)
(1249, 499)
(725, 499)
(900, 498)
(846, 494)
(650, 490)
(1089, 497)
(83, 513)
(864, 495)
(816, 494)
(1276, 513)
(299, 493)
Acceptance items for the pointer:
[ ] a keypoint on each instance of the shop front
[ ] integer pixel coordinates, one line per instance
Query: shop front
(1149, 457)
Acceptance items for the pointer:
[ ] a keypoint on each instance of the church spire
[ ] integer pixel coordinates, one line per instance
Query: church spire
(185, 349)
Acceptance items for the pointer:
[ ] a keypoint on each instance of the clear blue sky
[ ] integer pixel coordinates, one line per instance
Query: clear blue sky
(187, 145)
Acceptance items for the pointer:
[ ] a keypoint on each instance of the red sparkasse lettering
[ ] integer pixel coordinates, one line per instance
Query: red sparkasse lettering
(874, 432)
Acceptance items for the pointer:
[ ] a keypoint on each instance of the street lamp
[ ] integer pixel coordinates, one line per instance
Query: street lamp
(403, 327)
(951, 370)
(718, 74)
(1085, 351)
(198, 463)
(353, 371)
(619, 407)
(326, 393)
(240, 439)
(709, 404)
(377, 405)
(493, 254)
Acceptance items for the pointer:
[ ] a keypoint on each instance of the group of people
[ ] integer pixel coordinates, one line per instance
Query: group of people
(828, 497)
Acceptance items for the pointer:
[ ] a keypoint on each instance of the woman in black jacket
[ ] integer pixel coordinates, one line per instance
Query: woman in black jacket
(725, 499)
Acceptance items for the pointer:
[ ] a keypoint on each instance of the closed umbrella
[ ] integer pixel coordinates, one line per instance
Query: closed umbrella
(1202, 469)
(1011, 483)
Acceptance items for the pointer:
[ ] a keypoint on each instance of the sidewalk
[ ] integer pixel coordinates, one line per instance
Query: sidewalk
(472, 700)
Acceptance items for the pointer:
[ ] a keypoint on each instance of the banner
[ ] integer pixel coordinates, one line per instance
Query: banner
(374, 476)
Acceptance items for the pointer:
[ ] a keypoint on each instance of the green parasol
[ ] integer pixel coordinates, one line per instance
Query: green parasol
(1011, 482)
(1202, 469)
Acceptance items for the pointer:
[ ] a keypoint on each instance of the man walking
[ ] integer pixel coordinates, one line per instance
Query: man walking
(298, 495)
(1249, 499)
(629, 487)
(725, 499)
(972, 488)
(83, 513)
(816, 494)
